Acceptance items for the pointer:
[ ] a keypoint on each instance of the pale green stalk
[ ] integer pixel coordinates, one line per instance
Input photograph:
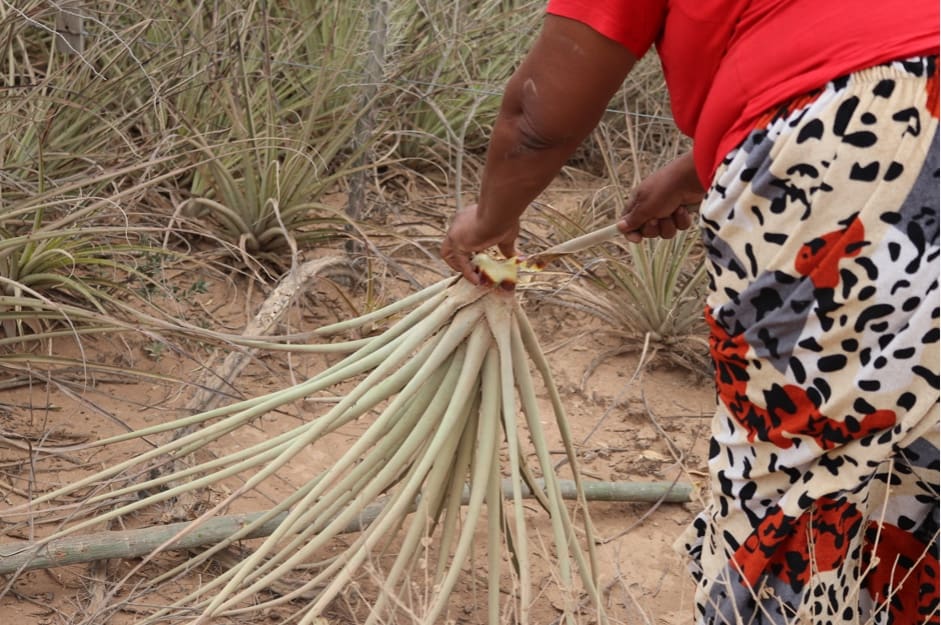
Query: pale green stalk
(247, 410)
(266, 449)
(455, 334)
(457, 411)
(588, 570)
(531, 412)
(359, 362)
(494, 526)
(484, 459)
(385, 358)
(318, 521)
(436, 487)
(442, 396)
(195, 560)
(430, 430)
(386, 477)
(385, 350)
(459, 328)
(531, 344)
(499, 318)
(456, 414)
(206, 555)
(336, 417)
(434, 432)
(453, 502)
(424, 319)
(317, 507)
(345, 347)
(532, 482)
(430, 297)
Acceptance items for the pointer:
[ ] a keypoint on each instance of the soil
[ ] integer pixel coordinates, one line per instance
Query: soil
(633, 423)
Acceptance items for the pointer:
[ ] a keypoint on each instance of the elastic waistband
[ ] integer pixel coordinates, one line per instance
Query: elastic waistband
(917, 67)
(913, 67)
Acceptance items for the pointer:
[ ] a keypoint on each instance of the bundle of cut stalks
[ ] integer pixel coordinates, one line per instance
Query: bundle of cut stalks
(441, 389)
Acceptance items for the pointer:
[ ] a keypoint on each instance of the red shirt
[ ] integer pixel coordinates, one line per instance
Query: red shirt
(728, 61)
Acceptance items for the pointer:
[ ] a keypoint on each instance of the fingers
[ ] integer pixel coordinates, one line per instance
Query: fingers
(468, 234)
(627, 230)
(664, 228)
(682, 218)
(634, 215)
(459, 260)
(507, 249)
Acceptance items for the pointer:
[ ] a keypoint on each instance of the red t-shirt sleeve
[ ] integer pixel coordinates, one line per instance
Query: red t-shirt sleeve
(635, 24)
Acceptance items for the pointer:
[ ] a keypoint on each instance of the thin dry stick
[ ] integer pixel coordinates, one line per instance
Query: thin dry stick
(212, 382)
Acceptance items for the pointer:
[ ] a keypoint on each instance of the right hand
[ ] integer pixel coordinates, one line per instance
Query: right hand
(657, 207)
(467, 235)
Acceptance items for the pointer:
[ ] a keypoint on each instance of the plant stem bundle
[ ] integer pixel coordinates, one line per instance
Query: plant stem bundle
(443, 386)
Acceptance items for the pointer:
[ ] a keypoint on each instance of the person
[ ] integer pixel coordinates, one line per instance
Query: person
(815, 156)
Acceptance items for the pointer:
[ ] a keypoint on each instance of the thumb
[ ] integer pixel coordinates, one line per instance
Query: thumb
(507, 246)
(630, 231)
(632, 220)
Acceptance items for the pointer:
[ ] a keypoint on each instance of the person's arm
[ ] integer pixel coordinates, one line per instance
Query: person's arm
(550, 104)
(657, 207)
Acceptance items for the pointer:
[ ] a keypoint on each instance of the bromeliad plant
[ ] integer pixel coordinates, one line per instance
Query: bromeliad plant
(439, 389)
(273, 125)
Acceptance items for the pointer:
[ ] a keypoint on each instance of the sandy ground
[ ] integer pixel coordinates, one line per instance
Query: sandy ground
(647, 425)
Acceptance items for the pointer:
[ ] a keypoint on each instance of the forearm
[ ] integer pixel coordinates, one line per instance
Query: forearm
(519, 166)
(550, 105)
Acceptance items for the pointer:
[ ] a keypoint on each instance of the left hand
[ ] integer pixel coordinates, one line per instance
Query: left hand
(468, 235)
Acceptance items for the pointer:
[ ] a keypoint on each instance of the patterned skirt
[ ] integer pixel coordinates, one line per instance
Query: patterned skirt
(822, 235)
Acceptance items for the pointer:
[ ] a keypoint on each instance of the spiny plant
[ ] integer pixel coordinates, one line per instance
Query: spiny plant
(63, 237)
(438, 390)
(651, 293)
(273, 133)
(448, 63)
(77, 167)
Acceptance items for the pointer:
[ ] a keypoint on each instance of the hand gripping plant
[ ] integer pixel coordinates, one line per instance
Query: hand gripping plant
(450, 381)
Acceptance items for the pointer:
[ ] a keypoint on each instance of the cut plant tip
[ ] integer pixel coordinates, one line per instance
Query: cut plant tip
(539, 261)
(437, 393)
(505, 273)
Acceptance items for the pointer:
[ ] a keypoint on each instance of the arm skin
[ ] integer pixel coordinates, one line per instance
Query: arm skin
(550, 104)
